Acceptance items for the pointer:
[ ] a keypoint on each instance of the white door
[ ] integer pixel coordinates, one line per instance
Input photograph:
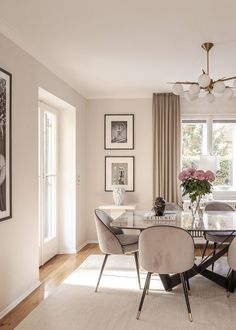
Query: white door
(48, 240)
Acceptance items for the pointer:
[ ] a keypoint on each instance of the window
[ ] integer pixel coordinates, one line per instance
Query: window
(215, 137)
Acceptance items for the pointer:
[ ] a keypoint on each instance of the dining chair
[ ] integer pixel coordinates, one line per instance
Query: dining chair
(220, 236)
(113, 241)
(173, 207)
(232, 264)
(166, 250)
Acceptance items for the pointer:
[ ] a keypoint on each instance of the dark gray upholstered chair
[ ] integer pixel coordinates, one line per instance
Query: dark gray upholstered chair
(172, 207)
(114, 241)
(232, 263)
(166, 250)
(218, 237)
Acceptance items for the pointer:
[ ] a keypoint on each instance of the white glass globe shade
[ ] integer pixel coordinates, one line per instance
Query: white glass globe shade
(234, 83)
(188, 97)
(194, 89)
(228, 93)
(210, 97)
(177, 89)
(219, 87)
(204, 80)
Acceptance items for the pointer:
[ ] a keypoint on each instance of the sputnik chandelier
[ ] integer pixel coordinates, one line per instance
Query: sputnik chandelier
(205, 84)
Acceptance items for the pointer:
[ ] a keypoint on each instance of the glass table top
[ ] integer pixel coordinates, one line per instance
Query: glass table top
(211, 220)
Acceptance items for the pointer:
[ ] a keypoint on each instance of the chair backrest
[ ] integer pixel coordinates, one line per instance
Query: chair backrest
(232, 254)
(108, 242)
(173, 207)
(218, 206)
(165, 250)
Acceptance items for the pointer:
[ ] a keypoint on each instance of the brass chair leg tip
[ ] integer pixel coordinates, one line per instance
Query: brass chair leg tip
(190, 317)
(138, 314)
(189, 292)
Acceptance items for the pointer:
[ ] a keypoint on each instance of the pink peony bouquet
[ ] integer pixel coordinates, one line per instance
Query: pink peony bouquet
(196, 183)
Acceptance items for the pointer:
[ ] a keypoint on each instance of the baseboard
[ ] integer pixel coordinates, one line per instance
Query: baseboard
(18, 300)
(85, 243)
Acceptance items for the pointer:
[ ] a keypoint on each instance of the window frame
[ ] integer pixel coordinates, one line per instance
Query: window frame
(218, 193)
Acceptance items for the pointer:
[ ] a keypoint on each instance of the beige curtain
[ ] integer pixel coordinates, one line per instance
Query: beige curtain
(166, 147)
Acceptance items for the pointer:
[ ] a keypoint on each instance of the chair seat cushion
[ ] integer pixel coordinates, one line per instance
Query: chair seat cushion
(126, 239)
(219, 236)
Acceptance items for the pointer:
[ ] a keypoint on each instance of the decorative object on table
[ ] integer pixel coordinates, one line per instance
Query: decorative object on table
(119, 172)
(196, 184)
(118, 195)
(119, 131)
(5, 145)
(159, 206)
(205, 83)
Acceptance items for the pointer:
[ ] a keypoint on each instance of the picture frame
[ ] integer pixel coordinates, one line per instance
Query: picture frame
(118, 131)
(119, 172)
(5, 145)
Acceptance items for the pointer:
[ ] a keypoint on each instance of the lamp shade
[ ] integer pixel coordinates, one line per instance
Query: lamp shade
(194, 89)
(219, 87)
(228, 93)
(204, 80)
(177, 89)
(209, 162)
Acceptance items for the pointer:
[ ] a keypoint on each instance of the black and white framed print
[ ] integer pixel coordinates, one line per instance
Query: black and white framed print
(118, 131)
(119, 172)
(5, 145)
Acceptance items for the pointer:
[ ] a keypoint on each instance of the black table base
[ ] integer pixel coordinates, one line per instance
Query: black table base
(229, 283)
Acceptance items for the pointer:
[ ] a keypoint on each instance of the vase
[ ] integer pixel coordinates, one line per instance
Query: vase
(118, 195)
(196, 208)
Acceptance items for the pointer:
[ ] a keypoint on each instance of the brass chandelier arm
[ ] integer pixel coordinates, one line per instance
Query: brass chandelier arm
(183, 82)
(226, 79)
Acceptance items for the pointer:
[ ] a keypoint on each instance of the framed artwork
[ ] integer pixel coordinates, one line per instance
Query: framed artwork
(118, 131)
(119, 172)
(5, 145)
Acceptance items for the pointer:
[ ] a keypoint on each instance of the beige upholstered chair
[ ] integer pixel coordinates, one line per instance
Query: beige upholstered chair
(114, 241)
(218, 237)
(166, 250)
(172, 207)
(232, 264)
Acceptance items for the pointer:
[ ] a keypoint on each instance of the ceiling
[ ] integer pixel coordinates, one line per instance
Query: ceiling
(123, 48)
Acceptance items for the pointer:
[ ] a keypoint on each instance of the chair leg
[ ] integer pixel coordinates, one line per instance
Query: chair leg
(186, 296)
(214, 252)
(137, 267)
(147, 282)
(103, 265)
(148, 286)
(204, 251)
(229, 281)
(188, 286)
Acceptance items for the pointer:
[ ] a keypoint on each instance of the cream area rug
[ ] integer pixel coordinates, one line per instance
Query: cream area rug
(75, 305)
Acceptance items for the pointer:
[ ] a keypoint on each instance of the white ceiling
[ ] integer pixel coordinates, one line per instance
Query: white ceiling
(123, 48)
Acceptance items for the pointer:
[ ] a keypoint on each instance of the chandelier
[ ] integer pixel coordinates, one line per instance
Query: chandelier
(205, 83)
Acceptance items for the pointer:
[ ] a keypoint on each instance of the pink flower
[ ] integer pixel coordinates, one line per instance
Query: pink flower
(199, 175)
(183, 175)
(190, 171)
(210, 176)
(186, 174)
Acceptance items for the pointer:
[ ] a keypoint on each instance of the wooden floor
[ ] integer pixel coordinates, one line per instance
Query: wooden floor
(51, 275)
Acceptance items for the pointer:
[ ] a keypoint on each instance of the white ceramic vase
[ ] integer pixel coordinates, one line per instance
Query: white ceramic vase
(118, 195)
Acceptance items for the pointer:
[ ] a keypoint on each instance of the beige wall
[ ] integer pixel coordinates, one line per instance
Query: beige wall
(19, 235)
(95, 158)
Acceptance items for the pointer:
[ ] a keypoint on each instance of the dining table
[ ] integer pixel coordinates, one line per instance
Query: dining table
(210, 221)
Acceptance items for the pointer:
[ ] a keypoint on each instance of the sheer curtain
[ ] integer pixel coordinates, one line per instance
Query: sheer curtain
(166, 147)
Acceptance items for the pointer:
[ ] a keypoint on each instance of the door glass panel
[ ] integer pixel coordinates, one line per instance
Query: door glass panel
(49, 219)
